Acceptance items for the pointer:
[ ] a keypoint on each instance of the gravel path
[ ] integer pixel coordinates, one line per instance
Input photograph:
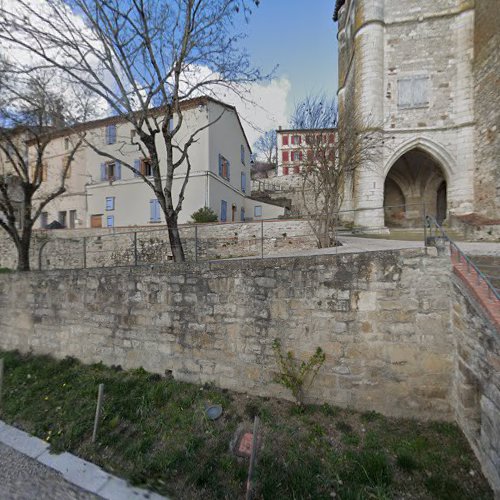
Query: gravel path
(22, 478)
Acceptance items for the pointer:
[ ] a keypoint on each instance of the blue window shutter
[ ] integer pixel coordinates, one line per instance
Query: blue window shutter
(154, 207)
(152, 210)
(137, 166)
(104, 176)
(243, 182)
(118, 170)
(110, 221)
(242, 215)
(110, 134)
(220, 165)
(223, 211)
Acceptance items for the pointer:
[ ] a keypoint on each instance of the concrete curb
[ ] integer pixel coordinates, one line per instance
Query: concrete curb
(79, 472)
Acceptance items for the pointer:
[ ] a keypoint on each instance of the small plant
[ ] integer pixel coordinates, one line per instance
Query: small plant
(204, 214)
(294, 375)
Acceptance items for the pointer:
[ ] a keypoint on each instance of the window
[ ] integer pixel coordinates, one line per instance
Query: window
(61, 218)
(296, 155)
(146, 168)
(110, 221)
(242, 154)
(257, 211)
(285, 170)
(72, 219)
(143, 167)
(223, 211)
(331, 139)
(284, 140)
(296, 139)
(110, 134)
(66, 143)
(296, 170)
(111, 171)
(110, 203)
(242, 214)
(133, 133)
(310, 155)
(44, 220)
(171, 124)
(154, 208)
(244, 182)
(284, 155)
(224, 167)
(413, 92)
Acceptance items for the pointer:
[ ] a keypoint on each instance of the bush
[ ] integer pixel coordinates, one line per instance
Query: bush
(204, 214)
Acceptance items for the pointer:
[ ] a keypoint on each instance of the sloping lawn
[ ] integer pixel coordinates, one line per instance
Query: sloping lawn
(154, 432)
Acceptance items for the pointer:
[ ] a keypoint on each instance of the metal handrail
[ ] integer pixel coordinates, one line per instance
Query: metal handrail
(454, 247)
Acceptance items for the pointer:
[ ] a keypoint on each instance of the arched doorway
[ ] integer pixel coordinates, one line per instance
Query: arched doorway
(416, 182)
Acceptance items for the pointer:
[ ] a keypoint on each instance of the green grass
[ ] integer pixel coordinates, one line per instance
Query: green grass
(155, 434)
(5, 270)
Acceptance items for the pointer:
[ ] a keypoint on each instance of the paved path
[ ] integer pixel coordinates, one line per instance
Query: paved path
(29, 471)
(353, 244)
(23, 478)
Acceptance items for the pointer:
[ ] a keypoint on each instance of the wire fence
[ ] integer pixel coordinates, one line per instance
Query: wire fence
(213, 241)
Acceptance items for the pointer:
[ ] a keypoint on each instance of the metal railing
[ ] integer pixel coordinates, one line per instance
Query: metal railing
(461, 258)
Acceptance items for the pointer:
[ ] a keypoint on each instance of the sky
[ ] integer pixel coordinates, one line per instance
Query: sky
(296, 38)
(300, 37)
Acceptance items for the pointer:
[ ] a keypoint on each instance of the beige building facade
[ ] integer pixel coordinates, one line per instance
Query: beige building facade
(106, 192)
(417, 73)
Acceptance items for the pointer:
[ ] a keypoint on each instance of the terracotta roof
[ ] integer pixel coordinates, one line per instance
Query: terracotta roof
(338, 6)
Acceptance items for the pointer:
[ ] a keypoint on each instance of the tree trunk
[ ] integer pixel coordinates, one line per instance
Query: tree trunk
(175, 239)
(23, 252)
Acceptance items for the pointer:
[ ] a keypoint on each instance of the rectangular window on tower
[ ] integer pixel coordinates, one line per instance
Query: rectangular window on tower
(413, 92)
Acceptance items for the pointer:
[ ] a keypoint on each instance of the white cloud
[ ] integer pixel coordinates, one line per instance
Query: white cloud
(264, 106)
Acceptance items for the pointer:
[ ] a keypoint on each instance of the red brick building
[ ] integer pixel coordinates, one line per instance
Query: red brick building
(297, 147)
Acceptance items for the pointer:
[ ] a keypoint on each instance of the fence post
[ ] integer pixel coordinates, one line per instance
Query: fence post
(196, 243)
(84, 252)
(262, 239)
(100, 395)
(135, 248)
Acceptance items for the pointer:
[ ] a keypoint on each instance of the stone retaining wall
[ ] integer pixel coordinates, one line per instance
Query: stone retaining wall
(78, 248)
(477, 380)
(383, 320)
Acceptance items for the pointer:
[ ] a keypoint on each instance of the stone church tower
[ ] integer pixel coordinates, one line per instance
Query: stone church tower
(424, 76)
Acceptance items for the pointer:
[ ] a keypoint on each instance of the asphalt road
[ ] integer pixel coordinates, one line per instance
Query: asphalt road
(22, 478)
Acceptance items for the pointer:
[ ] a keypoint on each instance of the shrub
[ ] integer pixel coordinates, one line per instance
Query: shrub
(204, 214)
(294, 375)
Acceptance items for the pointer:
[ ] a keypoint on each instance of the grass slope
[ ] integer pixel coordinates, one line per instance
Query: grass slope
(154, 433)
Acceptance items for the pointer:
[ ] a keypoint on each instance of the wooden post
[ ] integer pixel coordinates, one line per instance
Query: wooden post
(1, 380)
(100, 395)
(252, 458)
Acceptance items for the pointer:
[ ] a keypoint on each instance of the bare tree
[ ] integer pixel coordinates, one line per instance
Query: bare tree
(266, 147)
(137, 55)
(334, 150)
(29, 113)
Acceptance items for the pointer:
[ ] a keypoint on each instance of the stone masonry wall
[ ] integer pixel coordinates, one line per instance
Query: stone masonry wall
(383, 320)
(487, 107)
(477, 380)
(65, 248)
